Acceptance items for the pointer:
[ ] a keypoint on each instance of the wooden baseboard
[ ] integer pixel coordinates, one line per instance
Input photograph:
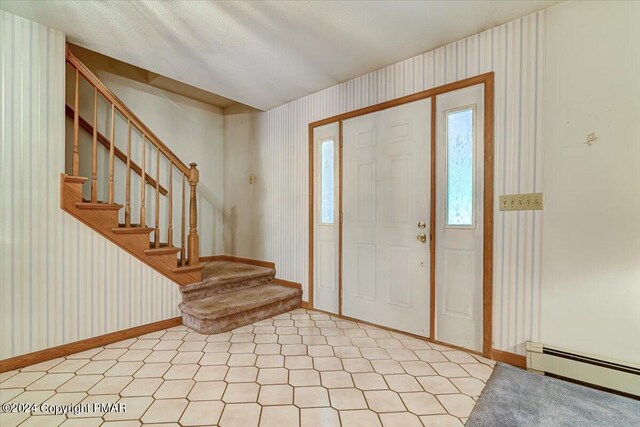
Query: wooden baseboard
(78, 346)
(287, 283)
(510, 358)
(306, 305)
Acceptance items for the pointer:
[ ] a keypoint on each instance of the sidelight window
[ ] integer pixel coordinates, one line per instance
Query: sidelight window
(460, 159)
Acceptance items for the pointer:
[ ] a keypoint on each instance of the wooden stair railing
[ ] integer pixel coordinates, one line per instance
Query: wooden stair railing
(189, 246)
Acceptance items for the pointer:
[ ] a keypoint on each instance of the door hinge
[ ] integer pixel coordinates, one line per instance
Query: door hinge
(341, 217)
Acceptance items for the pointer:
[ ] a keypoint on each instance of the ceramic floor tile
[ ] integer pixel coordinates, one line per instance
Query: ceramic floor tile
(244, 359)
(187, 357)
(72, 365)
(276, 395)
(50, 381)
(369, 381)
(336, 379)
(96, 367)
(449, 369)
(441, 421)
(141, 387)
(241, 393)
(359, 418)
(173, 389)
(422, 403)
(311, 397)
(402, 383)
(136, 407)
(181, 372)
(478, 370)
(280, 416)
(357, 365)
(152, 370)
(319, 417)
(403, 419)
(214, 359)
(469, 386)
(304, 377)
(273, 376)
(347, 398)
(240, 415)
(165, 411)
(123, 369)
(207, 390)
(202, 413)
(384, 401)
(110, 385)
(269, 361)
(298, 362)
(299, 368)
(241, 374)
(437, 385)
(80, 383)
(459, 405)
(44, 421)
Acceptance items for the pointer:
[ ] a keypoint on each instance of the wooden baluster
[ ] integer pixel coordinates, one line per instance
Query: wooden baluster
(94, 164)
(143, 177)
(194, 241)
(157, 230)
(170, 228)
(76, 130)
(183, 224)
(111, 152)
(127, 206)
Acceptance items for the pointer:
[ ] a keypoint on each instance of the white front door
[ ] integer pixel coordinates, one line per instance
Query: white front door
(459, 217)
(326, 169)
(386, 194)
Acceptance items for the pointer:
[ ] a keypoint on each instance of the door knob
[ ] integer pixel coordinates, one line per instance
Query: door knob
(422, 237)
(421, 225)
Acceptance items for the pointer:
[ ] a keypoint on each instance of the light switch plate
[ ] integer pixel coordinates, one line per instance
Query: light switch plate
(521, 202)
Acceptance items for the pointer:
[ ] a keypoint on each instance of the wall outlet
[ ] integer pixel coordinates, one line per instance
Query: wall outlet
(521, 202)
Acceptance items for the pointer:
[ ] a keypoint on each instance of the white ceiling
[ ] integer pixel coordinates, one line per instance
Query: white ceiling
(265, 53)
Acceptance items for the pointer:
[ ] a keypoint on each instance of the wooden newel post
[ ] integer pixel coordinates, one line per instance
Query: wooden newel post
(193, 239)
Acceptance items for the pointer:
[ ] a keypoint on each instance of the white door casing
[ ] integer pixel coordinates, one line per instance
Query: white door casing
(326, 224)
(459, 217)
(386, 193)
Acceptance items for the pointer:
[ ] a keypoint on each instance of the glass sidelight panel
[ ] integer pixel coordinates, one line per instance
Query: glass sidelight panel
(460, 152)
(327, 182)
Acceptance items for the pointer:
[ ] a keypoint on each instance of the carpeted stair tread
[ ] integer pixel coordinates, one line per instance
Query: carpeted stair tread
(230, 303)
(224, 271)
(225, 276)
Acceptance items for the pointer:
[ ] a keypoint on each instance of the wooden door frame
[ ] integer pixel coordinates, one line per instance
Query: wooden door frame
(487, 80)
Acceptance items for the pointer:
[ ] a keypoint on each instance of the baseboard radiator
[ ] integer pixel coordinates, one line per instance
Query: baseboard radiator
(598, 371)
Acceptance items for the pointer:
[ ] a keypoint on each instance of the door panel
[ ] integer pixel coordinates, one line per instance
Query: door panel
(386, 192)
(459, 217)
(326, 216)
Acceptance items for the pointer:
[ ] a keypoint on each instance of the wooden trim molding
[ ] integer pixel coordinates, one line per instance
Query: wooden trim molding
(287, 283)
(87, 344)
(232, 258)
(510, 358)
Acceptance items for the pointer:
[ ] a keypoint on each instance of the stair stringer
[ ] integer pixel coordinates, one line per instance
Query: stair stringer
(103, 219)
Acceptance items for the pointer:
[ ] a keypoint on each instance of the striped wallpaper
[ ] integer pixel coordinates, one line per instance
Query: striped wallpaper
(59, 281)
(514, 52)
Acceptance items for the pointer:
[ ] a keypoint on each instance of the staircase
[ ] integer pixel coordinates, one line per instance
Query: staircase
(217, 296)
(234, 294)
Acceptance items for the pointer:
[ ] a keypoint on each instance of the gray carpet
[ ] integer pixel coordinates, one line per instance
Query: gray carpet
(514, 397)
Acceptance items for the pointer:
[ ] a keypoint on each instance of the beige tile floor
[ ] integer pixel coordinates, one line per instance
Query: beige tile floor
(302, 368)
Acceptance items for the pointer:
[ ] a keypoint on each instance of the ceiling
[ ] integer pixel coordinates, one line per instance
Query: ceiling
(265, 53)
